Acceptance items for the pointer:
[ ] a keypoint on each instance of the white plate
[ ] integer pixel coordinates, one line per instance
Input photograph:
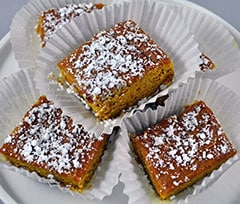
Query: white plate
(15, 188)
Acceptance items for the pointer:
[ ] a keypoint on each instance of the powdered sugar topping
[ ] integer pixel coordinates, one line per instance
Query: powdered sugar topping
(113, 58)
(184, 143)
(52, 140)
(54, 19)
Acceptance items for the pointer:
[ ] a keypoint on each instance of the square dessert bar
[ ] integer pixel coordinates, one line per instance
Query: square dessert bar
(179, 151)
(49, 143)
(51, 20)
(117, 68)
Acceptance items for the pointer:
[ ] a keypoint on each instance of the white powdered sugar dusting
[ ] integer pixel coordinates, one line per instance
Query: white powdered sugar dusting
(50, 139)
(113, 58)
(54, 18)
(183, 143)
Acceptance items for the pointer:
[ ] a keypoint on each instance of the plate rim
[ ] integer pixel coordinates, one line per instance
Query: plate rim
(5, 196)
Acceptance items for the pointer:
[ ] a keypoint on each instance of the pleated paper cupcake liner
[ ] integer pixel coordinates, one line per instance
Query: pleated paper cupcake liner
(26, 43)
(222, 101)
(17, 95)
(214, 40)
(164, 26)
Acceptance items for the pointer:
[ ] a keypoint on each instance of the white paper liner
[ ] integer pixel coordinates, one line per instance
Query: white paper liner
(17, 95)
(25, 42)
(163, 25)
(224, 103)
(214, 40)
(213, 37)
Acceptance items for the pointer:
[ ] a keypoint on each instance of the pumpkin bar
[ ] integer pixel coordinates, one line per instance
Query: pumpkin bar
(116, 68)
(180, 150)
(49, 143)
(51, 20)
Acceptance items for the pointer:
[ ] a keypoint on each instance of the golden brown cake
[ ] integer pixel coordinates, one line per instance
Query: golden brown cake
(49, 143)
(207, 63)
(53, 19)
(178, 151)
(117, 68)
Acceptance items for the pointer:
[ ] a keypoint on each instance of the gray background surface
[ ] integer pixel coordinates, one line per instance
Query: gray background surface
(227, 9)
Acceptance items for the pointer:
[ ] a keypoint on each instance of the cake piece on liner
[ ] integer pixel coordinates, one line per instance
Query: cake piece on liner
(49, 143)
(51, 20)
(180, 150)
(117, 68)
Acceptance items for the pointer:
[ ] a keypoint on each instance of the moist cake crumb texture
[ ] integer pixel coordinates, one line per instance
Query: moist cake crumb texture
(114, 58)
(109, 70)
(53, 19)
(50, 139)
(180, 149)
